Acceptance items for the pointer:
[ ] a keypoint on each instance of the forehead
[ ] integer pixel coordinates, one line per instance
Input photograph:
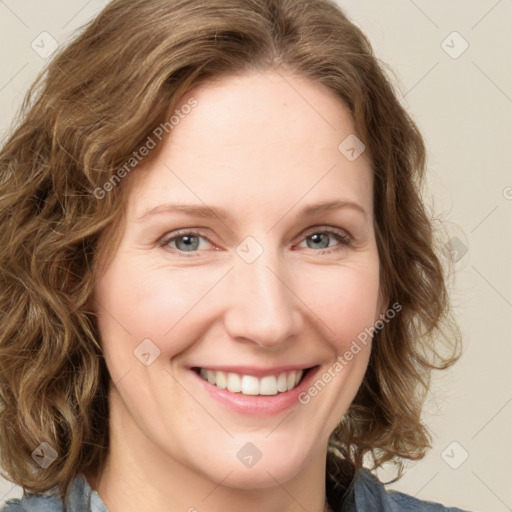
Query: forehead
(262, 140)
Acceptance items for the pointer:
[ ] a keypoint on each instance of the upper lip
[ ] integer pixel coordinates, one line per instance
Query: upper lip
(255, 370)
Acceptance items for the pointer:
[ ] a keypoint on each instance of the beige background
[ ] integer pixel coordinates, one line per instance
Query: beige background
(462, 102)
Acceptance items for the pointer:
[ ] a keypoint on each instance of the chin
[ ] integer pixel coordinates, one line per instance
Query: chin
(262, 476)
(278, 466)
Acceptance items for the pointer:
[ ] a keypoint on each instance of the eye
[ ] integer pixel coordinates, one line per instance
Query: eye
(186, 242)
(320, 239)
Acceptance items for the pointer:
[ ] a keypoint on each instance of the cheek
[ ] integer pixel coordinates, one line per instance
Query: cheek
(345, 299)
(139, 302)
(172, 306)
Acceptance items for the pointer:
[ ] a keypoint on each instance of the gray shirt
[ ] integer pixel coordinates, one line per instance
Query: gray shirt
(366, 495)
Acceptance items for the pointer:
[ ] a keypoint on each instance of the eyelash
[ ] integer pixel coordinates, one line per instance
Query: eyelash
(342, 236)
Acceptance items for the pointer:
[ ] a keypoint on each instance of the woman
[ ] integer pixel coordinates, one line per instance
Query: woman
(220, 289)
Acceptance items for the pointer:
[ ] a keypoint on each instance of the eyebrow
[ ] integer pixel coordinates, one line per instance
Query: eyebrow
(208, 212)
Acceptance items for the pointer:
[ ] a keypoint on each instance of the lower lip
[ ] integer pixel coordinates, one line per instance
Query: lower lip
(258, 405)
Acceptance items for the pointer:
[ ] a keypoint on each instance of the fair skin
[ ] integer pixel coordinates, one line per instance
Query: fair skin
(258, 149)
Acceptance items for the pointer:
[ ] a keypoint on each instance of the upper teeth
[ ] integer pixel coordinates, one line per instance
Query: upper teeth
(251, 385)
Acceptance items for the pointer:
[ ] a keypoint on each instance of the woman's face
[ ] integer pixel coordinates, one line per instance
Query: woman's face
(226, 272)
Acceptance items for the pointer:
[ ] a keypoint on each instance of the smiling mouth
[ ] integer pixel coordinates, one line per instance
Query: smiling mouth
(252, 385)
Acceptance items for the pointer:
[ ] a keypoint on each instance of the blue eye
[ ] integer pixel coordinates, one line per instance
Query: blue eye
(186, 243)
(320, 239)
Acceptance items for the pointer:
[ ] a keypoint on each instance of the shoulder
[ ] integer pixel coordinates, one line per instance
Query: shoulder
(13, 505)
(33, 503)
(369, 494)
(80, 498)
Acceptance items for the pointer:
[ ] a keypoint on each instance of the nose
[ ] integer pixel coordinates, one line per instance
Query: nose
(262, 307)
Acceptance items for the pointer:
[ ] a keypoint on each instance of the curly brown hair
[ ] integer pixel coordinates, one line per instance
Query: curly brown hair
(95, 103)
